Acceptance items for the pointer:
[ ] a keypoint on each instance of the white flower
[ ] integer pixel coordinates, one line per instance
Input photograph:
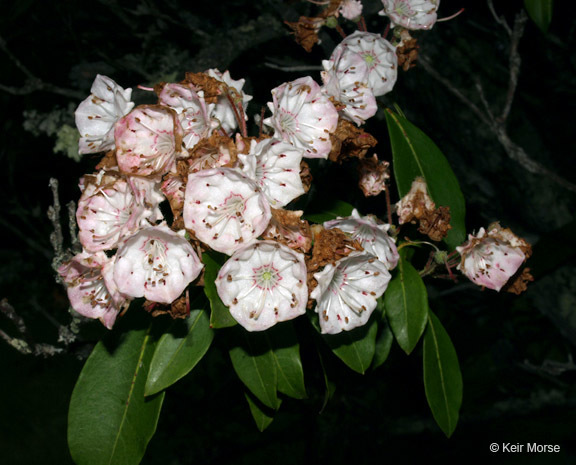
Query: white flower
(379, 56)
(303, 116)
(225, 209)
(372, 236)
(411, 14)
(351, 9)
(91, 289)
(156, 263)
(96, 116)
(148, 140)
(263, 283)
(275, 166)
(110, 210)
(194, 115)
(346, 293)
(345, 78)
(491, 258)
(223, 111)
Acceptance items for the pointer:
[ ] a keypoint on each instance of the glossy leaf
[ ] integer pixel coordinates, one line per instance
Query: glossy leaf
(220, 315)
(255, 365)
(263, 416)
(540, 11)
(331, 210)
(286, 352)
(355, 348)
(406, 303)
(384, 338)
(415, 154)
(442, 377)
(179, 350)
(110, 421)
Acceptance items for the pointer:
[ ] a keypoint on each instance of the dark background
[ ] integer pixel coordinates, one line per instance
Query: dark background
(515, 352)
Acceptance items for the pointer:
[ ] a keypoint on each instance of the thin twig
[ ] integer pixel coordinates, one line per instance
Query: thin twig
(33, 83)
(515, 62)
(290, 69)
(499, 19)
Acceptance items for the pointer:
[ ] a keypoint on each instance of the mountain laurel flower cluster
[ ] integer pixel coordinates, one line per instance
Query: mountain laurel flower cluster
(195, 213)
(229, 193)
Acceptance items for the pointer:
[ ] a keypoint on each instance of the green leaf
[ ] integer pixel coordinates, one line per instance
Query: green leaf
(220, 315)
(330, 210)
(406, 303)
(262, 415)
(355, 348)
(415, 154)
(286, 352)
(179, 350)
(540, 11)
(255, 365)
(384, 338)
(110, 421)
(442, 377)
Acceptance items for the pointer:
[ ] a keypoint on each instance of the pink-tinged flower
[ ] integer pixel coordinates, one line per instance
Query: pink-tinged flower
(263, 283)
(194, 114)
(379, 56)
(148, 140)
(110, 210)
(223, 111)
(345, 78)
(491, 258)
(156, 263)
(373, 175)
(303, 116)
(347, 291)
(411, 14)
(96, 116)
(351, 9)
(275, 166)
(225, 209)
(91, 289)
(372, 236)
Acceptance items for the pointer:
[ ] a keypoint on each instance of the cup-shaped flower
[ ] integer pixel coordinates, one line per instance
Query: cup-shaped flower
(303, 116)
(263, 283)
(351, 9)
(371, 235)
(411, 14)
(91, 289)
(223, 110)
(275, 166)
(379, 56)
(112, 208)
(225, 209)
(347, 291)
(156, 263)
(345, 78)
(194, 114)
(148, 140)
(491, 258)
(96, 116)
